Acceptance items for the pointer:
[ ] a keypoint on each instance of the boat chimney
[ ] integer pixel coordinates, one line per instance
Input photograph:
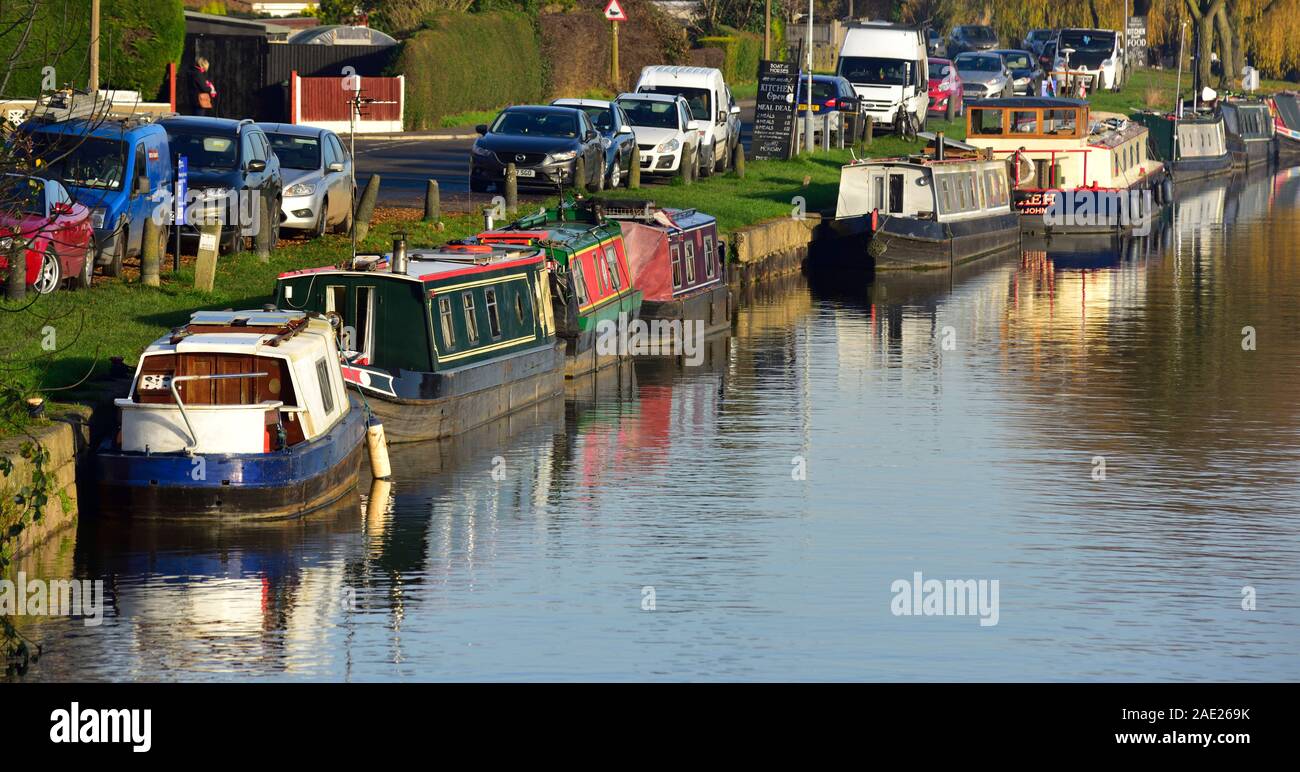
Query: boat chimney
(398, 262)
(487, 218)
(938, 146)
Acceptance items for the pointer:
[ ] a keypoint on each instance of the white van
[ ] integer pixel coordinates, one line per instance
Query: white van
(889, 69)
(712, 106)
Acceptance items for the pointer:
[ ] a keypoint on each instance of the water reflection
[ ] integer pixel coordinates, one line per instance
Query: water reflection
(850, 431)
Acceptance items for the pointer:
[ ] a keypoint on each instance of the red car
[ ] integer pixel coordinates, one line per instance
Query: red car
(54, 231)
(945, 89)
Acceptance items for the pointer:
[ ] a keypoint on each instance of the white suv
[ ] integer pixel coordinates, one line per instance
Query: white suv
(712, 106)
(663, 126)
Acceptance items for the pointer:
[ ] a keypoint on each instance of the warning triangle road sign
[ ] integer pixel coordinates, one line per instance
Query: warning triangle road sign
(614, 11)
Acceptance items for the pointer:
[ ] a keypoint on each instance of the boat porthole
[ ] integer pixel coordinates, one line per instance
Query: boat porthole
(273, 385)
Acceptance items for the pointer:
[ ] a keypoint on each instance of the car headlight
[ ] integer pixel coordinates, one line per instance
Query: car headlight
(482, 151)
(97, 216)
(668, 146)
(565, 155)
(6, 243)
(945, 86)
(300, 189)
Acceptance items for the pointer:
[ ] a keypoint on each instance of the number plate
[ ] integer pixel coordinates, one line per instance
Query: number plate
(525, 172)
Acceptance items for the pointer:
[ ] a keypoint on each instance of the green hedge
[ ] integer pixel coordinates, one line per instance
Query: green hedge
(463, 62)
(741, 50)
(137, 40)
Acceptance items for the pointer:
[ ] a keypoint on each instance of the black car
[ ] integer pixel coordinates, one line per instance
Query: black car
(1026, 74)
(232, 174)
(615, 134)
(1036, 39)
(543, 142)
(971, 37)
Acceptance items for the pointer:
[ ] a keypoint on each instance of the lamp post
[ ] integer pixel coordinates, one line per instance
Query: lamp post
(807, 113)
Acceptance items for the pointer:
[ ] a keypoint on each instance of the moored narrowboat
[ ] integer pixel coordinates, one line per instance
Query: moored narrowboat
(1285, 109)
(1249, 130)
(591, 280)
(1191, 146)
(440, 340)
(677, 263)
(1073, 171)
(928, 211)
(238, 413)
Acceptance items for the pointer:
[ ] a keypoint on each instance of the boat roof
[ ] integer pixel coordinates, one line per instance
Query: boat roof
(245, 332)
(428, 264)
(665, 218)
(573, 223)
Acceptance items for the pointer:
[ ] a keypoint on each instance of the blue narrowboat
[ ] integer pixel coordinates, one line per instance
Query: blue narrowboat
(238, 413)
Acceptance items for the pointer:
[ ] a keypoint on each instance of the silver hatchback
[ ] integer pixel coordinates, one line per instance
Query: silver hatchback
(317, 172)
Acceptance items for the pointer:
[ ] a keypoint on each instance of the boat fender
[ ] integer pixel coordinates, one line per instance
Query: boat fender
(1167, 190)
(378, 446)
(876, 248)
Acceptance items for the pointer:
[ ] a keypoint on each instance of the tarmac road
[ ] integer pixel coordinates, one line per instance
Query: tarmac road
(406, 162)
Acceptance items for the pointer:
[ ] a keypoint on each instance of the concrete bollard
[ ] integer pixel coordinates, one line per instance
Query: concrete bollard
(738, 160)
(826, 131)
(580, 175)
(432, 203)
(149, 256)
(871, 131)
(512, 188)
(366, 209)
(634, 176)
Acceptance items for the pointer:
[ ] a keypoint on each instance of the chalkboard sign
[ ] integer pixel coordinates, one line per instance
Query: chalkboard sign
(774, 111)
(1135, 38)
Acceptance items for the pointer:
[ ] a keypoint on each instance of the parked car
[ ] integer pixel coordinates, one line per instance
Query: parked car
(1097, 52)
(53, 231)
(1036, 39)
(91, 160)
(945, 89)
(233, 175)
(711, 103)
(1026, 76)
(317, 174)
(830, 94)
(886, 63)
(933, 42)
(616, 135)
(663, 126)
(544, 143)
(983, 75)
(971, 37)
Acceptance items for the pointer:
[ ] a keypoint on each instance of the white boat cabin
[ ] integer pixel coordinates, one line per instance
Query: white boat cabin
(1057, 144)
(921, 187)
(235, 382)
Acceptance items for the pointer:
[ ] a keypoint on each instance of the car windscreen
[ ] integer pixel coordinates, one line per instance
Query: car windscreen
(205, 150)
(80, 161)
(980, 34)
(23, 194)
(1094, 42)
(1018, 61)
(296, 152)
(650, 113)
(874, 70)
(601, 117)
(697, 98)
(536, 124)
(823, 90)
(979, 64)
(939, 69)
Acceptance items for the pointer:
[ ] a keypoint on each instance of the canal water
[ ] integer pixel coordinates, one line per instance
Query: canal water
(1111, 432)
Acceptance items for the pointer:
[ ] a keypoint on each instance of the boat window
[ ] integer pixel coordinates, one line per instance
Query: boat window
(494, 321)
(690, 261)
(448, 332)
(708, 256)
(611, 265)
(519, 307)
(336, 299)
(365, 330)
(963, 202)
(326, 388)
(986, 121)
(945, 197)
(471, 319)
(677, 265)
(879, 182)
(579, 282)
(1024, 121)
(1060, 121)
(896, 193)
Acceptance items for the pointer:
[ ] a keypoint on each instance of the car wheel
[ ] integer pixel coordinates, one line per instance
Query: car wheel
(50, 274)
(597, 183)
(163, 232)
(345, 227)
(114, 266)
(615, 176)
(276, 215)
(704, 167)
(722, 162)
(322, 219)
(87, 274)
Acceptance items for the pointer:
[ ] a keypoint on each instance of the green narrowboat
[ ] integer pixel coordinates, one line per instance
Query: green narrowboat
(440, 340)
(1191, 146)
(591, 279)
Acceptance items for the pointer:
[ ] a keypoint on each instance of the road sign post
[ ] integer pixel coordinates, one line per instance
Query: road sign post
(614, 12)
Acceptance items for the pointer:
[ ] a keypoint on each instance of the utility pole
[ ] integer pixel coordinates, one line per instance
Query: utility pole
(807, 94)
(94, 46)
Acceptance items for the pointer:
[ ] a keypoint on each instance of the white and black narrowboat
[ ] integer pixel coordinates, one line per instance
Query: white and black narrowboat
(238, 413)
(929, 211)
(1249, 128)
(1192, 146)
